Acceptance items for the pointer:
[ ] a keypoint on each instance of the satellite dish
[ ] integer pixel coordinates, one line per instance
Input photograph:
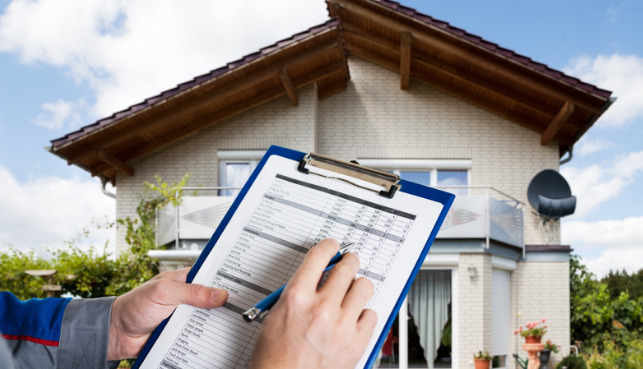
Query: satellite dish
(550, 194)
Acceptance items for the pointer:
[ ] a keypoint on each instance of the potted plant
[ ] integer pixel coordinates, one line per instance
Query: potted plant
(545, 353)
(481, 360)
(533, 332)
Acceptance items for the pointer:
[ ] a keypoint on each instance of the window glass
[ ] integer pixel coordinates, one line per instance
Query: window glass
(235, 175)
(448, 178)
(423, 178)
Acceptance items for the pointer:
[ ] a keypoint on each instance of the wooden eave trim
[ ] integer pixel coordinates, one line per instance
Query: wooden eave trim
(438, 43)
(392, 65)
(289, 88)
(442, 69)
(206, 99)
(557, 123)
(456, 38)
(116, 163)
(405, 60)
(213, 118)
(197, 86)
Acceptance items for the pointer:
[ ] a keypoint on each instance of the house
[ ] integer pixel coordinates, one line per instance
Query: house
(401, 91)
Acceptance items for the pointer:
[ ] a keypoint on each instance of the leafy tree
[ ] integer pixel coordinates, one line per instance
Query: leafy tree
(619, 282)
(599, 320)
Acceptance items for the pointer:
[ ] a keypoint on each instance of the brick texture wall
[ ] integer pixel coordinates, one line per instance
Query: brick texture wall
(373, 118)
(541, 290)
(474, 316)
(276, 122)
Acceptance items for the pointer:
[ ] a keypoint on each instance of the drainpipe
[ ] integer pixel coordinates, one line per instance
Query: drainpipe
(103, 180)
(570, 151)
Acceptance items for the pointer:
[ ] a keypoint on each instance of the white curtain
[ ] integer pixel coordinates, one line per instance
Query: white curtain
(429, 300)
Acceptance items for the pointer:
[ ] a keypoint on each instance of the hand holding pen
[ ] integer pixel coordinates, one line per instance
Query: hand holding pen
(261, 309)
(318, 328)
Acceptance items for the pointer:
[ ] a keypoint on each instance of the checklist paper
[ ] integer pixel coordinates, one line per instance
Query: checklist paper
(282, 216)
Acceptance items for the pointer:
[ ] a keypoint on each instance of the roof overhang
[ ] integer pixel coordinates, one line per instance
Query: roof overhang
(558, 107)
(314, 56)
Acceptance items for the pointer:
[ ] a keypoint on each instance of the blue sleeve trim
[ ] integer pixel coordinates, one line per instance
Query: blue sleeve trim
(38, 318)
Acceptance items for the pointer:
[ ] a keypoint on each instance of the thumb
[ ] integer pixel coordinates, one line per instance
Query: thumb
(197, 295)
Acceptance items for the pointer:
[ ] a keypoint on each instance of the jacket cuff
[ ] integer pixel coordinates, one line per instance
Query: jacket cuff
(84, 334)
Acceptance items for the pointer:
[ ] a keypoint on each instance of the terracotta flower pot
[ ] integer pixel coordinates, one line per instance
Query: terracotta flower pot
(481, 364)
(532, 339)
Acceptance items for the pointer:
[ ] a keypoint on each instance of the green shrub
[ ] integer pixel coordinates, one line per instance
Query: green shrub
(572, 362)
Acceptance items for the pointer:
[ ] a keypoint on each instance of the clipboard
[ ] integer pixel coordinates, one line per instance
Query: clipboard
(384, 184)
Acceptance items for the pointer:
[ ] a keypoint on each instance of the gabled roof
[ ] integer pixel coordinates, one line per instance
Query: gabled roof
(557, 106)
(313, 56)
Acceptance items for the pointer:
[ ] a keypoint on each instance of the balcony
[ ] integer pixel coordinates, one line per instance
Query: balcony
(480, 219)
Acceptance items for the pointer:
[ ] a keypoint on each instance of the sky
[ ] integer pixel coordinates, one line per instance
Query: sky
(67, 63)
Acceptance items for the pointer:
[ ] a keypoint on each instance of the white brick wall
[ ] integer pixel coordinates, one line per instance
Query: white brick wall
(276, 122)
(373, 118)
(541, 290)
(474, 298)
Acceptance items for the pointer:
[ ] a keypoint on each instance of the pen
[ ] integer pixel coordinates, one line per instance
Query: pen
(262, 308)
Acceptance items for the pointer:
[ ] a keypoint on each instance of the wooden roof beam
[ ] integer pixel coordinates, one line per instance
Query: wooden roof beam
(405, 60)
(557, 123)
(206, 99)
(116, 163)
(474, 100)
(475, 58)
(446, 70)
(289, 87)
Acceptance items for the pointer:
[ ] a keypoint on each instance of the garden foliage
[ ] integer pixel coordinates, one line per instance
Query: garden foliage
(607, 325)
(89, 273)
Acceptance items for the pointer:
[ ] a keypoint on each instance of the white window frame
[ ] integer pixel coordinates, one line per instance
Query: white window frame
(420, 165)
(251, 157)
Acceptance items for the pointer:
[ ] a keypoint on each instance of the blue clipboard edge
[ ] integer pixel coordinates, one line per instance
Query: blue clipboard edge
(445, 198)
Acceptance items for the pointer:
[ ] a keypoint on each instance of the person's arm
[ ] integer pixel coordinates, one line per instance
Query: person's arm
(75, 333)
(325, 328)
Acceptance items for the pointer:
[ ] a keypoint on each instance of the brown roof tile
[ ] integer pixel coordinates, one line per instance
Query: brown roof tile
(194, 82)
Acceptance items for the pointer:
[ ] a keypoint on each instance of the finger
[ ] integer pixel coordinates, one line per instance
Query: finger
(311, 269)
(356, 298)
(366, 324)
(196, 295)
(340, 279)
(179, 275)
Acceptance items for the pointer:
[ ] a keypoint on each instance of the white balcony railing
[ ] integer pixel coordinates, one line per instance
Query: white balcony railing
(483, 213)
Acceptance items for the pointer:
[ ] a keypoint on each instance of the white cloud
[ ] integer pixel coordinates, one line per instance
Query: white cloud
(622, 74)
(595, 184)
(612, 12)
(605, 234)
(44, 212)
(61, 114)
(619, 242)
(592, 146)
(128, 50)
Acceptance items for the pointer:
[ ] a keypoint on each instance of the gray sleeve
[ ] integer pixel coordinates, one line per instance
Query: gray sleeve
(84, 334)
(6, 358)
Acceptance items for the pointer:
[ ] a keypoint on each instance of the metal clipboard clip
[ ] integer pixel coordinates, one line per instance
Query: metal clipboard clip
(388, 181)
